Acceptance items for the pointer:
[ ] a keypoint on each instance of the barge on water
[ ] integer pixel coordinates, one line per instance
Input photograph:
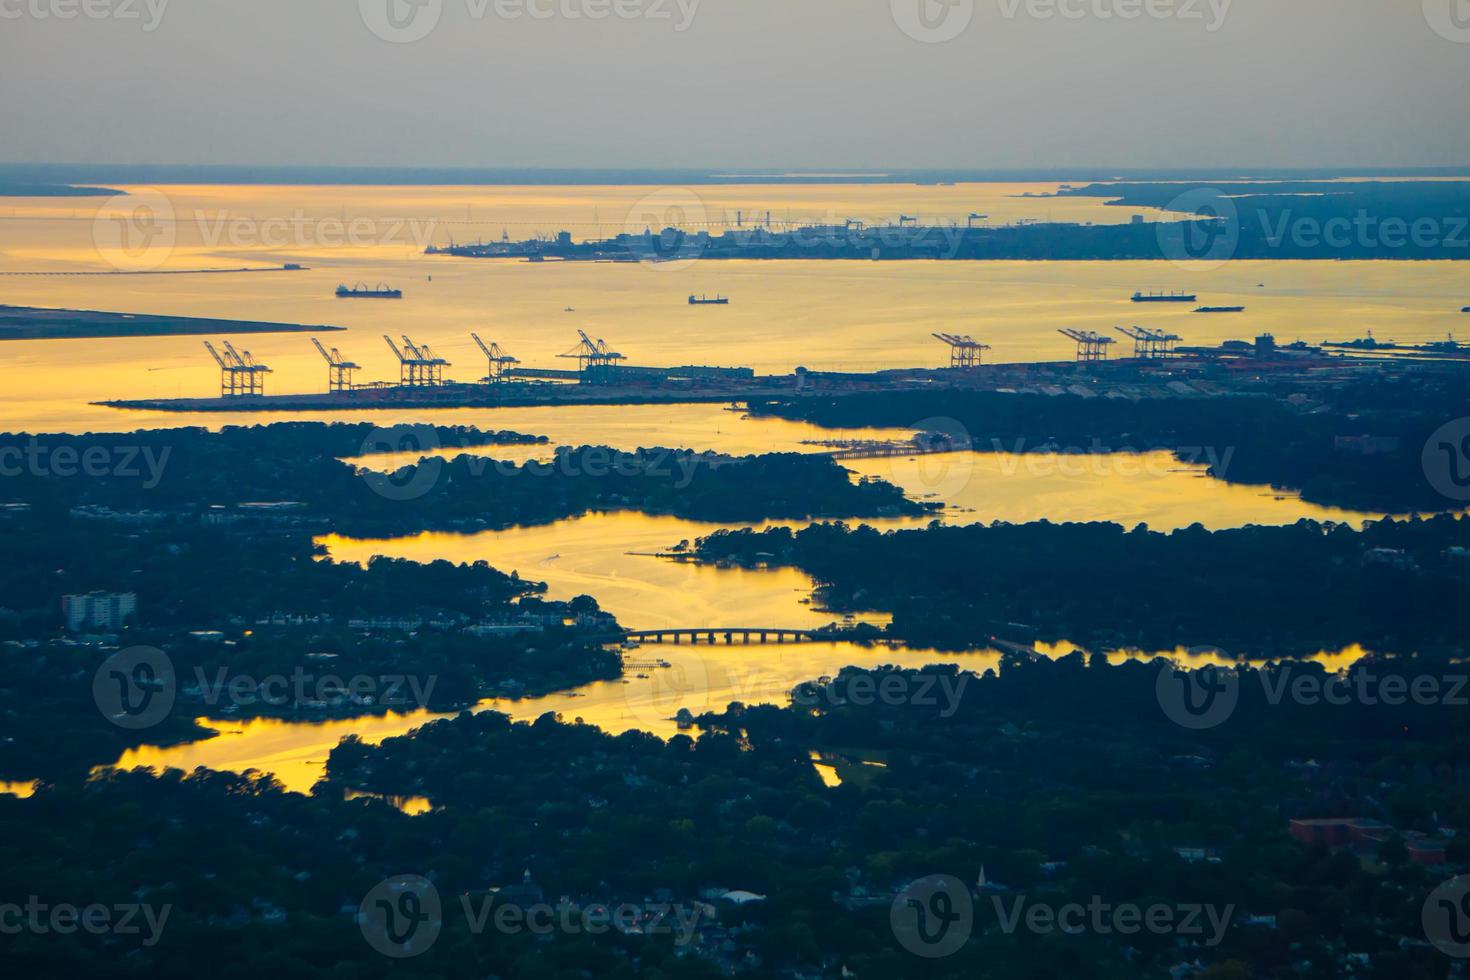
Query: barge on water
(703, 300)
(1221, 309)
(362, 291)
(1164, 297)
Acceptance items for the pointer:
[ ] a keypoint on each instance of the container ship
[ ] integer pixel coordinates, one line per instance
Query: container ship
(706, 301)
(361, 291)
(1164, 297)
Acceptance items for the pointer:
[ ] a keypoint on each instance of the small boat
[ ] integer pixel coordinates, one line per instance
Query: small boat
(361, 291)
(703, 300)
(568, 310)
(1466, 310)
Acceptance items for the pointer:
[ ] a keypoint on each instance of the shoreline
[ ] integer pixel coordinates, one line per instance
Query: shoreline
(47, 323)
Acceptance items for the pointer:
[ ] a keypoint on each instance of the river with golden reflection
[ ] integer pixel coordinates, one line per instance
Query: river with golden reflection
(822, 315)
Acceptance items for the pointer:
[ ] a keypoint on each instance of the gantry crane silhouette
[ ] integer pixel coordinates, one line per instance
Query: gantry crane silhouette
(419, 367)
(964, 352)
(339, 369)
(1091, 345)
(1151, 344)
(240, 374)
(499, 361)
(595, 361)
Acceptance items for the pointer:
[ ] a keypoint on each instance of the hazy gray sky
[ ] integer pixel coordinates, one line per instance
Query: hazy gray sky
(737, 83)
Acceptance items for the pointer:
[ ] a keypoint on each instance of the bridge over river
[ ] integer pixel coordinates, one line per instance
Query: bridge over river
(779, 634)
(731, 634)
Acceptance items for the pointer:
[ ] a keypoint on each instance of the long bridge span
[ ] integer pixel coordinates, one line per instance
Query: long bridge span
(730, 634)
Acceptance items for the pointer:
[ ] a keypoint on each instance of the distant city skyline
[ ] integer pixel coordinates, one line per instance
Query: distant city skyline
(758, 85)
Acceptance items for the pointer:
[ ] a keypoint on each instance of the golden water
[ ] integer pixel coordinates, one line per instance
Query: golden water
(699, 678)
(823, 315)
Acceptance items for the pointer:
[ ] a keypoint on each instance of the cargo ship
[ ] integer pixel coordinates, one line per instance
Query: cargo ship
(706, 301)
(1221, 309)
(361, 291)
(1164, 297)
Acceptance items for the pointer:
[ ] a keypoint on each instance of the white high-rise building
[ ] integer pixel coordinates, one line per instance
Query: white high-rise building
(98, 610)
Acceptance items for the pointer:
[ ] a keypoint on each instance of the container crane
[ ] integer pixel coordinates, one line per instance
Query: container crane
(595, 361)
(247, 374)
(499, 361)
(1151, 344)
(431, 366)
(409, 368)
(964, 352)
(1091, 346)
(339, 369)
